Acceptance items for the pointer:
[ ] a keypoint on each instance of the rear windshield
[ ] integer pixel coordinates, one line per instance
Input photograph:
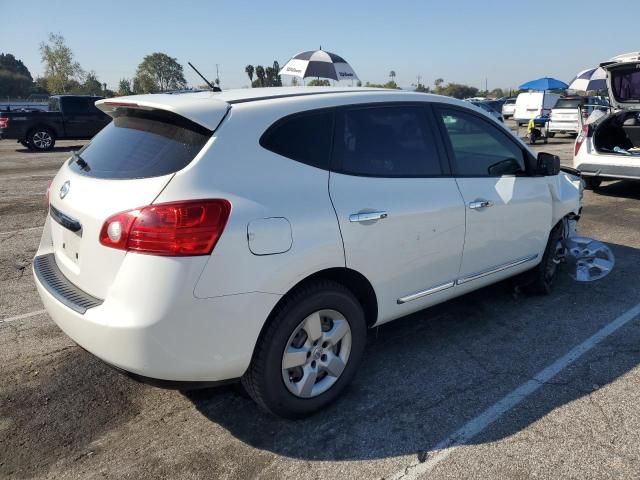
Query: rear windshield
(141, 144)
(510, 101)
(625, 84)
(570, 103)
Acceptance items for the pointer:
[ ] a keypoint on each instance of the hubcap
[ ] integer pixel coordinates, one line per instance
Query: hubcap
(316, 354)
(42, 139)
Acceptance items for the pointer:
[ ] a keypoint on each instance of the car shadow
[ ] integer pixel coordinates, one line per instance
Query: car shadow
(426, 375)
(66, 148)
(621, 189)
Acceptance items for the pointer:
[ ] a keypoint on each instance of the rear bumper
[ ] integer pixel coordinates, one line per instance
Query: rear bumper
(160, 339)
(563, 127)
(610, 171)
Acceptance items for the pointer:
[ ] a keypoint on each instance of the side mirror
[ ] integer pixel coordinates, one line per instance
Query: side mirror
(548, 164)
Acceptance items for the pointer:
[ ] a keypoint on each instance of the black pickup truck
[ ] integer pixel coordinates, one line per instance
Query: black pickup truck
(72, 117)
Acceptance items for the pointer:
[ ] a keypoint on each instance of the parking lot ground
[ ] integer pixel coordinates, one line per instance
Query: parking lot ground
(64, 414)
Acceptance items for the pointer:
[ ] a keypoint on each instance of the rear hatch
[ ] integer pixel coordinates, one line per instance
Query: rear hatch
(623, 82)
(566, 110)
(125, 167)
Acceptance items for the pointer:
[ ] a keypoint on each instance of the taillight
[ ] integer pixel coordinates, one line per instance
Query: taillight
(174, 229)
(4, 122)
(584, 134)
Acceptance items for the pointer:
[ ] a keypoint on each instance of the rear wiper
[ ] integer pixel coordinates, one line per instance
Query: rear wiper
(81, 162)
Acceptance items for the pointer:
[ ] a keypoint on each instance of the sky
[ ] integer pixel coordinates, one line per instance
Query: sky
(502, 43)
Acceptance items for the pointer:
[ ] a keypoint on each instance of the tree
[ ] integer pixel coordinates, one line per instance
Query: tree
(92, 85)
(316, 82)
(392, 75)
(260, 73)
(15, 78)
(159, 72)
(422, 88)
(438, 82)
(60, 68)
(249, 71)
(390, 84)
(294, 82)
(497, 93)
(359, 83)
(277, 79)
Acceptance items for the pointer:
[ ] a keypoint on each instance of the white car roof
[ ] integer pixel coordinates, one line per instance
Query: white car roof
(208, 108)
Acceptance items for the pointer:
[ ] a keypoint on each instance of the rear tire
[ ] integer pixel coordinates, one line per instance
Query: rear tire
(41, 139)
(591, 183)
(540, 280)
(296, 392)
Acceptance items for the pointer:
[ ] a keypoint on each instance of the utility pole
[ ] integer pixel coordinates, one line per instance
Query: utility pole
(217, 76)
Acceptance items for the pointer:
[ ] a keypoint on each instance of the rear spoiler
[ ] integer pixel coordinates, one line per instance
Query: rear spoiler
(202, 108)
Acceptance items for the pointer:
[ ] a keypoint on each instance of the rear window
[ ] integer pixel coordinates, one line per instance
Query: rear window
(141, 144)
(570, 103)
(510, 101)
(625, 84)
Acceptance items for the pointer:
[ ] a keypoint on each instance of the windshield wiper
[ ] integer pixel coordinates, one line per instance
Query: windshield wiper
(81, 162)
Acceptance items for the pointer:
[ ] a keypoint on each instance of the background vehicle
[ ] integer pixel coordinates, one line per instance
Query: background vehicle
(609, 147)
(564, 115)
(73, 117)
(203, 237)
(509, 107)
(488, 107)
(529, 105)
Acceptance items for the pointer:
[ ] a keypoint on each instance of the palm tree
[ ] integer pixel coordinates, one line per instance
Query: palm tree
(249, 70)
(260, 74)
(392, 74)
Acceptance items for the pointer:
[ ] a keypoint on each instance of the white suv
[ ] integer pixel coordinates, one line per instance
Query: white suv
(258, 233)
(608, 146)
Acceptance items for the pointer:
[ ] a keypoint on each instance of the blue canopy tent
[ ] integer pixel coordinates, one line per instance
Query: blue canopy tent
(544, 84)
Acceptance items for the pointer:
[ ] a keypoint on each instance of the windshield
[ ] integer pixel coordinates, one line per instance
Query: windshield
(625, 84)
(141, 144)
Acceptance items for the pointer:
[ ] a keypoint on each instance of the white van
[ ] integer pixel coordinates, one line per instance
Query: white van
(529, 105)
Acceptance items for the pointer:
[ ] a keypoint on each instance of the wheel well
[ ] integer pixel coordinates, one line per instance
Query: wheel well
(42, 126)
(350, 279)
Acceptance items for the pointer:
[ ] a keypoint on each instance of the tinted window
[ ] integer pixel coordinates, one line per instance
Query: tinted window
(141, 144)
(625, 84)
(54, 104)
(570, 103)
(385, 141)
(304, 137)
(479, 148)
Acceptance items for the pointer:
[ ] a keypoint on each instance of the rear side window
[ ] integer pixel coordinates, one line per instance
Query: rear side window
(75, 106)
(141, 144)
(304, 137)
(391, 141)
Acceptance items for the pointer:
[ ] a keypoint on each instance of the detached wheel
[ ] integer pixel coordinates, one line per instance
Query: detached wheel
(309, 352)
(540, 280)
(41, 139)
(592, 183)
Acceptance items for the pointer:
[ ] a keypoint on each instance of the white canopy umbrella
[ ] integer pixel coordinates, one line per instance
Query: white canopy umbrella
(319, 64)
(589, 79)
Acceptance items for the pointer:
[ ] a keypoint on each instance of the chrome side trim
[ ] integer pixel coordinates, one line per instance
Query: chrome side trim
(424, 293)
(497, 269)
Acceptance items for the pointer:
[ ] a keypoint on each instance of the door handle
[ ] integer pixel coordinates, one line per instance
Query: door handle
(480, 204)
(367, 216)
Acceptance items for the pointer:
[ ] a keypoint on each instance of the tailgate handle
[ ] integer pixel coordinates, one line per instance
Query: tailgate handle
(65, 220)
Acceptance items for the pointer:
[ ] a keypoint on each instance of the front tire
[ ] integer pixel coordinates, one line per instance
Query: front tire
(592, 183)
(309, 352)
(540, 280)
(41, 139)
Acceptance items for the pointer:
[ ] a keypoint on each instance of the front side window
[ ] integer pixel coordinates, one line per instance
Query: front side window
(75, 105)
(479, 148)
(389, 141)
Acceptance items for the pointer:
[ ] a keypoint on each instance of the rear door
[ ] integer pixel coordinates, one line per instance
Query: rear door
(508, 212)
(400, 212)
(82, 118)
(125, 167)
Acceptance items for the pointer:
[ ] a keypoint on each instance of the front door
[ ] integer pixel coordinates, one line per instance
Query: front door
(508, 211)
(400, 212)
